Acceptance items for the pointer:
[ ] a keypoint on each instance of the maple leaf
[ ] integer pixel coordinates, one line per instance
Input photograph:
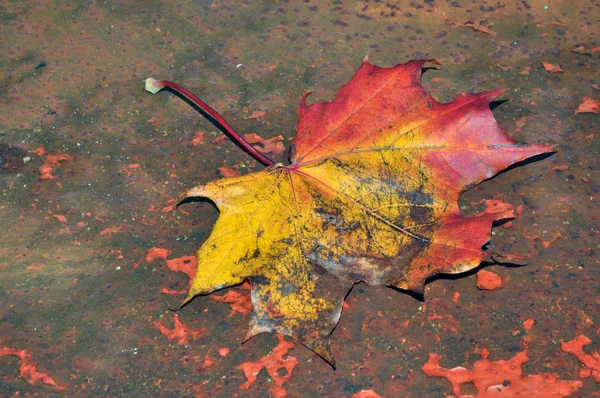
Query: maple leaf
(371, 195)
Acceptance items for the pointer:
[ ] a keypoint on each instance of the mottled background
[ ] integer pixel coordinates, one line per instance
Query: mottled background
(91, 165)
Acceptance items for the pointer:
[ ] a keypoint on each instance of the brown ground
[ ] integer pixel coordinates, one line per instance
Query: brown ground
(79, 215)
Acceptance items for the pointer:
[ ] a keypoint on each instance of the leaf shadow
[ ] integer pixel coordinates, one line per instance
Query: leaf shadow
(452, 277)
(496, 103)
(484, 264)
(196, 199)
(533, 159)
(416, 295)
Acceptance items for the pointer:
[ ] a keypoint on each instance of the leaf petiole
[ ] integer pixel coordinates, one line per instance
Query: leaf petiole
(154, 86)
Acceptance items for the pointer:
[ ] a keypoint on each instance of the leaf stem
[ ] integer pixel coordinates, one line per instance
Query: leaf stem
(154, 86)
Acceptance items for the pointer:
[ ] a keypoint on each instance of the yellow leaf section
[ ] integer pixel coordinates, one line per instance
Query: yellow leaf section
(245, 204)
(256, 237)
(378, 212)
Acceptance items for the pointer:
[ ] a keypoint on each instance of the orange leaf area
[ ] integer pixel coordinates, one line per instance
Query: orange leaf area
(591, 361)
(238, 299)
(371, 195)
(273, 363)
(28, 369)
(180, 332)
(487, 280)
(588, 105)
(502, 378)
(50, 161)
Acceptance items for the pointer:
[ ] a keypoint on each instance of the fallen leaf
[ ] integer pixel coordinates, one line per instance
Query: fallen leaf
(588, 105)
(552, 68)
(591, 361)
(487, 280)
(501, 378)
(371, 195)
(272, 363)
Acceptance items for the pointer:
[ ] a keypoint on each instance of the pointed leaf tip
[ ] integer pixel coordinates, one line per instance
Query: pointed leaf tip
(186, 300)
(153, 86)
(303, 99)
